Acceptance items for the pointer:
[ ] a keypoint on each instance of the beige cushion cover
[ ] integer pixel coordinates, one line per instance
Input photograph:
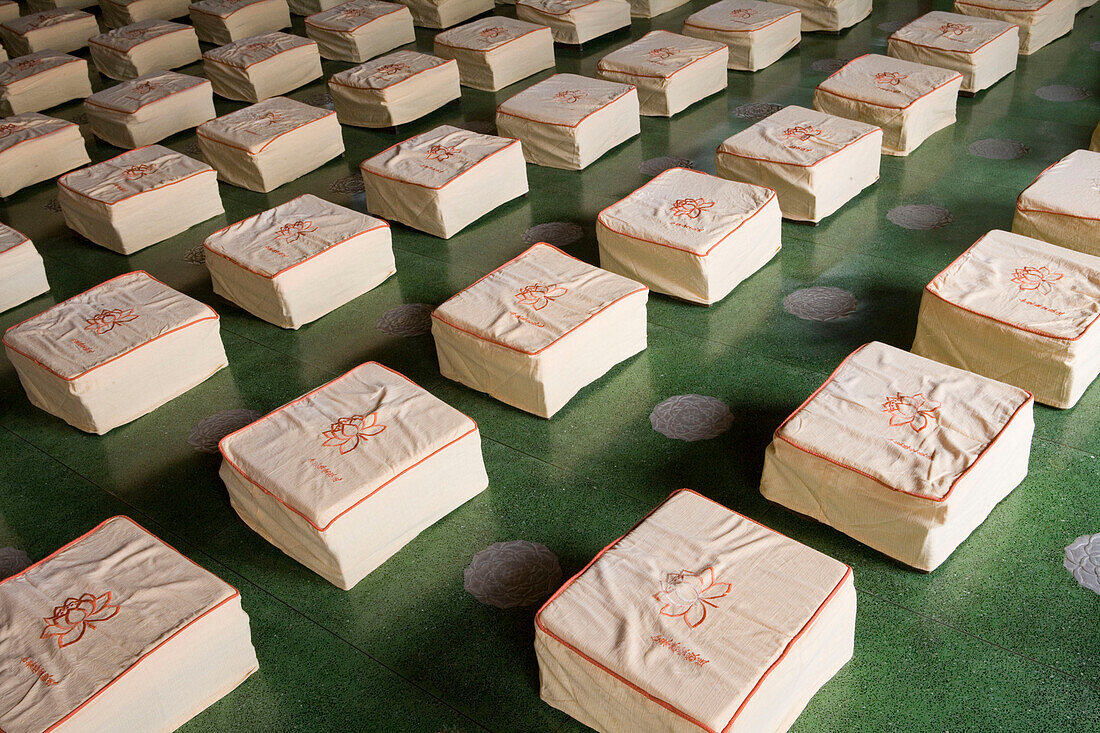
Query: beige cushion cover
(495, 52)
(139, 198)
(360, 30)
(653, 8)
(445, 179)
(256, 68)
(984, 51)
(902, 453)
(50, 30)
(22, 274)
(908, 101)
(309, 7)
(757, 33)
(539, 328)
(690, 235)
(697, 619)
(394, 89)
(263, 146)
(816, 162)
(148, 109)
(830, 15)
(225, 21)
(9, 10)
(569, 121)
(348, 474)
(113, 353)
(1040, 21)
(445, 13)
(148, 45)
(36, 148)
(300, 260)
(1062, 205)
(576, 21)
(41, 80)
(161, 639)
(1020, 311)
(120, 13)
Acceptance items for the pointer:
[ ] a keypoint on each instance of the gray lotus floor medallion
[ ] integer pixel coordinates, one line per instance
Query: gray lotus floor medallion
(1083, 561)
(557, 233)
(409, 319)
(12, 561)
(512, 574)
(654, 166)
(919, 216)
(997, 148)
(204, 437)
(820, 303)
(1061, 93)
(691, 417)
(756, 110)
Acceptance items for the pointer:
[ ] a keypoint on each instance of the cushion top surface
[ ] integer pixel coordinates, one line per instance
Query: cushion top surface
(255, 127)
(130, 96)
(253, 50)
(437, 157)
(385, 71)
(28, 126)
(564, 99)
(222, 8)
(738, 16)
(1071, 186)
(126, 38)
(797, 136)
(44, 19)
(952, 31)
(885, 81)
(11, 238)
(24, 67)
(134, 172)
(485, 34)
(352, 15)
(659, 54)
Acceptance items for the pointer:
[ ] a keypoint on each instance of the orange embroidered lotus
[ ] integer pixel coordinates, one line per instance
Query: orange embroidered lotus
(742, 13)
(105, 321)
(691, 208)
(570, 96)
(801, 132)
(1039, 279)
(8, 129)
(539, 296)
(494, 32)
(347, 432)
(660, 54)
(388, 70)
(25, 64)
(916, 411)
(140, 170)
(269, 118)
(295, 230)
(145, 87)
(259, 46)
(954, 29)
(76, 615)
(442, 152)
(687, 595)
(891, 78)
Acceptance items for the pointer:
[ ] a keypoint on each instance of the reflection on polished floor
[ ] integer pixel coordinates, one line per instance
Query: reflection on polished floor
(999, 637)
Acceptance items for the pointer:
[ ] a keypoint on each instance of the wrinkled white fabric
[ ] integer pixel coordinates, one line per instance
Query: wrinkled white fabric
(22, 274)
(360, 30)
(757, 33)
(121, 13)
(983, 51)
(149, 108)
(49, 30)
(225, 21)
(1062, 205)
(494, 52)
(830, 15)
(445, 13)
(41, 80)
(576, 21)
(394, 89)
(1040, 21)
(140, 48)
(256, 68)
(36, 148)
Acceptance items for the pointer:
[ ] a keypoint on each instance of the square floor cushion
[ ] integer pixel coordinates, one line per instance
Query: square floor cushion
(271, 143)
(394, 89)
(225, 21)
(539, 328)
(576, 21)
(22, 273)
(36, 148)
(983, 51)
(1020, 311)
(139, 198)
(494, 52)
(149, 108)
(757, 33)
(908, 101)
(147, 45)
(816, 162)
(1062, 205)
(118, 631)
(1040, 21)
(300, 260)
(50, 30)
(697, 619)
(830, 16)
(9, 10)
(41, 80)
(902, 453)
(360, 30)
(690, 235)
(445, 13)
(121, 13)
(348, 474)
(569, 121)
(444, 180)
(116, 352)
(256, 68)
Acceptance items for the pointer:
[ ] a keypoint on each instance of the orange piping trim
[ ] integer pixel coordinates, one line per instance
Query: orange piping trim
(146, 104)
(741, 30)
(819, 88)
(307, 43)
(198, 132)
(364, 169)
(953, 50)
(94, 42)
(541, 28)
(600, 67)
(36, 138)
(801, 165)
(332, 79)
(348, 30)
(61, 181)
(566, 124)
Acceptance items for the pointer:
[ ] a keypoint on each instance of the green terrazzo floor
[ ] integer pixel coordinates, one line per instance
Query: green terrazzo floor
(998, 638)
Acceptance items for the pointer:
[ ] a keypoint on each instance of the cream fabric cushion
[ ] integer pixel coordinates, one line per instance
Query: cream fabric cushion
(539, 328)
(670, 71)
(1040, 21)
(830, 15)
(1020, 311)
(309, 7)
(690, 235)
(120, 13)
(150, 108)
(757, 33)
(908, 101)
(118, 631)
(116, 352)
(300, 260)
(38, 5)
(576, 21)
(139, 198)
(271, 143)
(1062, 205)
(42, 80)
(569, 121)
(444, 180)
(256, 68)
(445, 13)
(139, 48)
(348, 474)
(983, 51)
(9, 10)
(22, 274)
(816, 162)
(653, 8)
(697, 619)
(494, 52)
(394, 89)
(50, 30)
(36, 148)
(225, 21)
(360, 30)
(902, 453)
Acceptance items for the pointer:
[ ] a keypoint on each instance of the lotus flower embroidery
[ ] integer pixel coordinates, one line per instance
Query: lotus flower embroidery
(258, 46)
(295, 230)
(8, 129)
(105, 321)
(442, 152)
(955, 29)
(691, 208)
(916, 411)
(687, 595)
(889, 78)
(494, 32)
(146, 87)
(25, 64)
(388, 70)
(801, 132)
(269, 118)
(1039, 279)
(742, 13)
(134, 33)
(539, 296)
(347, 432)
(660, 54)
(571, 96)
(354, 12)
(140, 170)
(76, 615)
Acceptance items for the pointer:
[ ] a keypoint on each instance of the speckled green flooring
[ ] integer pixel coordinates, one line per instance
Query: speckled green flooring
(998, 638)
